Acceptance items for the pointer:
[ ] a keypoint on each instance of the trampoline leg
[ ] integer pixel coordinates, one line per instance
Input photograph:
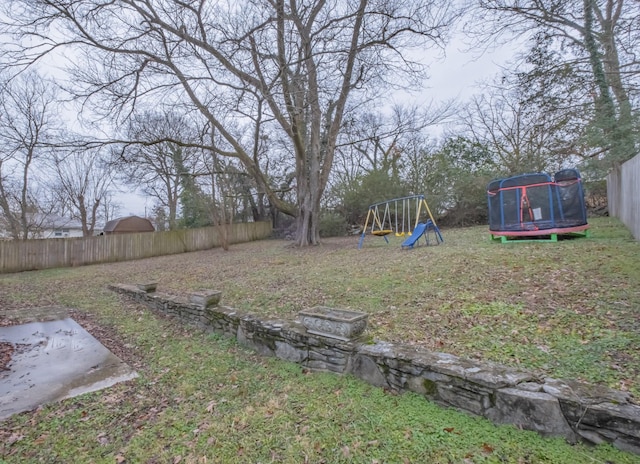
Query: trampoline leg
(553, 237)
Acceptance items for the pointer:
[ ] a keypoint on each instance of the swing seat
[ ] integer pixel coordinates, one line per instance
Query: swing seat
(399, 234)
(382, 233)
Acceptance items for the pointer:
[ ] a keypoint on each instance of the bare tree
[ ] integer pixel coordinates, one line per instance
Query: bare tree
(375, 141)
(304, 59)
(83, 185)
(522, 136)
(600, 39)
(27, 124)
(160, 157)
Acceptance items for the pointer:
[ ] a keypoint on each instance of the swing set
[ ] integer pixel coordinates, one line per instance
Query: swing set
(382, 217)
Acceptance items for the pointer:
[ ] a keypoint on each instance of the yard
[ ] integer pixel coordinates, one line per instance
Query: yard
(565, 310)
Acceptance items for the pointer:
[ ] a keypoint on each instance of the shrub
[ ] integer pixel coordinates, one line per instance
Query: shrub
(332, 224)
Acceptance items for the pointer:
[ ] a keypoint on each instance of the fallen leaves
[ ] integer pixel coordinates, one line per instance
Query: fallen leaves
(41, 439)
(211, 406)
(6, 350)
(102, 438)
(14, 438)
(487, 448)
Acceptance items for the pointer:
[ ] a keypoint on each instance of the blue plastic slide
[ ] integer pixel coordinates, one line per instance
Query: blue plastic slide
(422, 230)
(415, 235)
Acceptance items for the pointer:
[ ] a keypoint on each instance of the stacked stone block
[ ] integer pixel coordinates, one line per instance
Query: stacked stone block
(575, 411)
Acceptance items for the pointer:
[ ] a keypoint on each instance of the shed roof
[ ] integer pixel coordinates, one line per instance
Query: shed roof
(129, 224)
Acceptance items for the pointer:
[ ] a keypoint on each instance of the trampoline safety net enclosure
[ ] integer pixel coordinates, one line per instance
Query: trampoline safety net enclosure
(537, 205)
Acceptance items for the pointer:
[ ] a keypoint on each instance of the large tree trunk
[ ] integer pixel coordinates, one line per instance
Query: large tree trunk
(82, 209)
(308, 219)
(622, 135)
(12, 222)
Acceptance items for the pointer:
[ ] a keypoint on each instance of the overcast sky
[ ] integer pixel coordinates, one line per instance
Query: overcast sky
(455, 76)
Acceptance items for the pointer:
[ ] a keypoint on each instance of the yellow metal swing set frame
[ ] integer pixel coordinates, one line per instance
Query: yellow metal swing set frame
(381, 224)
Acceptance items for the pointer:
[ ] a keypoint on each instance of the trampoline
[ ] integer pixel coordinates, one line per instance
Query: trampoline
(537, 207)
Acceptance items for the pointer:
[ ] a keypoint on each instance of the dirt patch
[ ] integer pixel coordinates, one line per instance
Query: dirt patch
(6, 350)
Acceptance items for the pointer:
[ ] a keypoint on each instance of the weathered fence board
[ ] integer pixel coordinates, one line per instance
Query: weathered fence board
(623, 194)
(16, 256)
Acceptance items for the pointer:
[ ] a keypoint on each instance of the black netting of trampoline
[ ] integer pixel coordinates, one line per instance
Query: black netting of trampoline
(572, 211)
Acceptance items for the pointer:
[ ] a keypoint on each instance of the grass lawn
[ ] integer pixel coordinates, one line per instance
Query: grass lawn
(566, 310)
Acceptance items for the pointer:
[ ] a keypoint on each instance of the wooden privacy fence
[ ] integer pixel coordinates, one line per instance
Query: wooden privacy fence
(623, 194)
(16, 256)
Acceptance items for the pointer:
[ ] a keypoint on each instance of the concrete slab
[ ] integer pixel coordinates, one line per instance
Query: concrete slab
(52, 361)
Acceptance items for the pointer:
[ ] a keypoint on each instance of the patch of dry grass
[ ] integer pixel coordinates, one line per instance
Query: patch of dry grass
(566, 309)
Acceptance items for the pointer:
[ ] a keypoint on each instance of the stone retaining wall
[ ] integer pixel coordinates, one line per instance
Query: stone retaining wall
(552, 407)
